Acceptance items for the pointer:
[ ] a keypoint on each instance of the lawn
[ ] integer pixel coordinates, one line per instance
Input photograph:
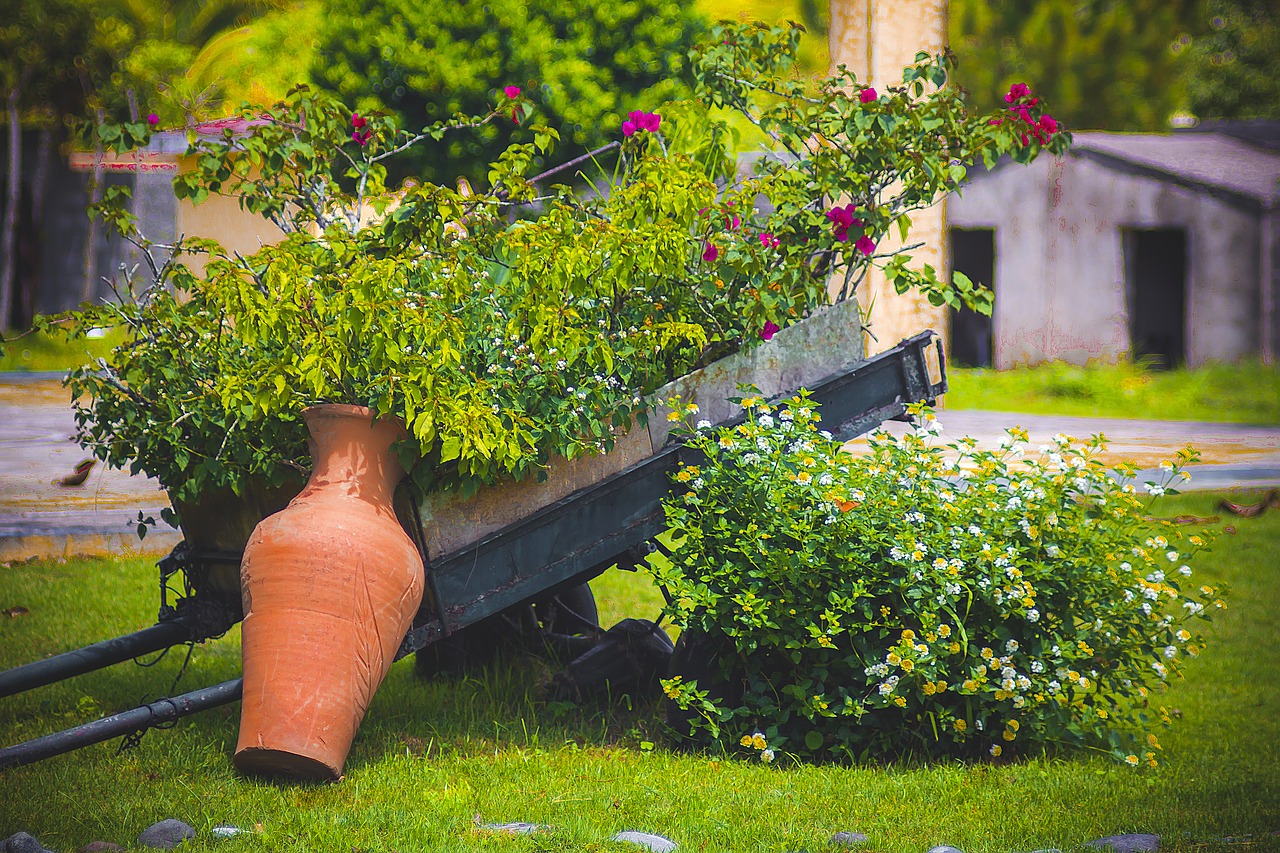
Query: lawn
(1248, 392)
(434, 758)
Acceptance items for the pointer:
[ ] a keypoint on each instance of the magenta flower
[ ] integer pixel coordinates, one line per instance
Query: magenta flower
(1017, 91)
(153, 119)
(770, 329)
(638, 120)
(865, 245)
(842, 219)
(1048, 123)
(710, 252)
(769, 241)
(362, 136)
(357, 122)
(511, 91)
(867, 95)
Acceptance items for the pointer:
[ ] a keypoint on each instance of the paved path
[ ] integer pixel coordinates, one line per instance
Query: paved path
(39, 518)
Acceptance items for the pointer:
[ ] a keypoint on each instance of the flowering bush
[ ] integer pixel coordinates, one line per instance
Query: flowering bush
(509, 323)
(923, 598)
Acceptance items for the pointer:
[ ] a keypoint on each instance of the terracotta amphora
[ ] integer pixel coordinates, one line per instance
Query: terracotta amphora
(330, 586)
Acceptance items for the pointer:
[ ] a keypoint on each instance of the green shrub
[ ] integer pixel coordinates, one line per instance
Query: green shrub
(923, 598)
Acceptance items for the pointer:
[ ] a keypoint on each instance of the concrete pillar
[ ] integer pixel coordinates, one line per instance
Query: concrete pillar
(876, 39)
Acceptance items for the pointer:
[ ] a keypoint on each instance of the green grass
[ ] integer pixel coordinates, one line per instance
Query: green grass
(38, 352)
(430, 757)
(1243, 393)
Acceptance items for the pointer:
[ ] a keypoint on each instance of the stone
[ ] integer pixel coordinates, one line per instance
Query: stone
(656, 843)
(945, 848)
(1135, 842)
(848, 839)
(226, 831)
(22, 842)
(166, 834)
(101, 847)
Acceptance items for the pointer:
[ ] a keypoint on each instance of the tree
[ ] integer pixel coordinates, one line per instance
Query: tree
(1233, 64)
(427, 60)
(1105, 64)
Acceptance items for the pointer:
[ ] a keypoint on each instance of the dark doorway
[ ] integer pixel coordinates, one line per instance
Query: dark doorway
(973, 252)
(1155, 267)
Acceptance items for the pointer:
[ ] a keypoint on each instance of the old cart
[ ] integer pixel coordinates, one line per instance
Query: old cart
(516, 558)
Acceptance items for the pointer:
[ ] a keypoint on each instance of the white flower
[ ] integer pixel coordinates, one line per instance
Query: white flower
(1033, 615)
(704, 424)
(1011, 646)
(1160, 669)
(1037, 666)
(825, 480)
(1172, 556)
(1170, 652)
(1052, 550)
(825, 434)
(1185, 571)
(1154, 489)
(1156, 576)
(784, 415)
(765, 421)
(766, 755)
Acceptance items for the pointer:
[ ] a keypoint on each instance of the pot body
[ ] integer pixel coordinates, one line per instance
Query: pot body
(330, 586)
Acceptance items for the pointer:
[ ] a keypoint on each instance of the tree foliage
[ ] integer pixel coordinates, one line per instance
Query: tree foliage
(1234, 62)
(589, 61)
(1102, 64)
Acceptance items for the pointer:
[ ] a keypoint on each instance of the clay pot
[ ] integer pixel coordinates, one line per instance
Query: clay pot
(330, 586)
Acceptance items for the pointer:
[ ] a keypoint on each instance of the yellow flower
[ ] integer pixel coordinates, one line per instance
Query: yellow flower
(884, 611)
(944, 630)
(969, 684)
(1008, 735)
(908, 665)
(996, 750)
(900, 701)
(1131, 760)
(1072, 675)
(746, 740)
(908, 634)
(1102, 713)
(1153, 742)
(758, 741)
(928, 688)
(893, 659)
(941, 686)
(1013, 724)
(961, 725)
(1002, 695)
(954, 648)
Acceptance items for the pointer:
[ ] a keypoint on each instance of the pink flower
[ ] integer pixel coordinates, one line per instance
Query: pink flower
(511, 91)
(769, 241)
(357, 122)
(153, 119)
(865, 245)
(996, 121)
(867, 95)
(362, 136)
(710, 252)
(1016, 91)
(843, 219)
(770, 329)
(734, 223)
(1048, 124)
(638, 120)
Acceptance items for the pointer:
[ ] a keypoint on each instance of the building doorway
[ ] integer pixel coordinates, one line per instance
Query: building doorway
(1155, 267)
(973, 252)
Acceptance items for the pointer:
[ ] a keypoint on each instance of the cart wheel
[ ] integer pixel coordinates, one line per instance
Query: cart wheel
(570, 611)
(697, 658)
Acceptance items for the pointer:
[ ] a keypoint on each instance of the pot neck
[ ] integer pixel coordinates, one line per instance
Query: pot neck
(352, 451)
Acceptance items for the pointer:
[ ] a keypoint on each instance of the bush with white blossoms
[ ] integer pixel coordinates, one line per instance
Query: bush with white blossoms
(923, 597)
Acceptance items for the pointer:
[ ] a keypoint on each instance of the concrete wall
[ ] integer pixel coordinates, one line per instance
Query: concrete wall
(1060, 273)
(876, 39)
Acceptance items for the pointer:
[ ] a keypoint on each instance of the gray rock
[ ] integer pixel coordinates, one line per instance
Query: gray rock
(101, 847)
(848, 839)
(165, 835)
(22, 842)
(945, 848)
(656, 843)
(518, 828)
(1130, 843)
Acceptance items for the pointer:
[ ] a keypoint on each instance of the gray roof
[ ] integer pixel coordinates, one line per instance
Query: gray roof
(1214, 162)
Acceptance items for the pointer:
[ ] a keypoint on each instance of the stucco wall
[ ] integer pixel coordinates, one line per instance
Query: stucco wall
(1059, 269)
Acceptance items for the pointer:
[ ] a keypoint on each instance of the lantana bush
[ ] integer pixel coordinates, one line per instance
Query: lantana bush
(923, 598)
